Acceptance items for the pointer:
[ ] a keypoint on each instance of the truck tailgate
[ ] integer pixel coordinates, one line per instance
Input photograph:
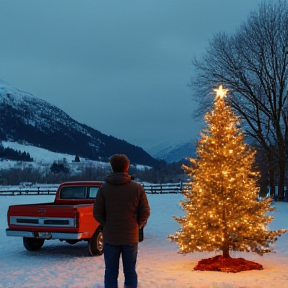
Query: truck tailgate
(44, 215)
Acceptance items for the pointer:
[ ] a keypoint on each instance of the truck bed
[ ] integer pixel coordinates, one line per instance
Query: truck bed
(47, 216)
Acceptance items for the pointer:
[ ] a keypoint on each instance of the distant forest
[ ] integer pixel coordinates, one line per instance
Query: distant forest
(11, 154)
(60, 171)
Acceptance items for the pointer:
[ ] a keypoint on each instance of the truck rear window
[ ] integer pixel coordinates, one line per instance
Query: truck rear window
(78, 192)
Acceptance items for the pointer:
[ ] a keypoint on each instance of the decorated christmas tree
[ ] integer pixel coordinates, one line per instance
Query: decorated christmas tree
(223, 211)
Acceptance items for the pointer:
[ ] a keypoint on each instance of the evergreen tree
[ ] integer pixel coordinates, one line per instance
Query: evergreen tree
(223, 212)
(77, 159)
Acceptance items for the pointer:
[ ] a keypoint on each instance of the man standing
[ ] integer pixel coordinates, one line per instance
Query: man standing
(122, 208)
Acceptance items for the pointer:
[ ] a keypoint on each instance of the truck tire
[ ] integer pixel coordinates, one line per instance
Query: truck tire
(33, 244)
(72, 242)
(96, 243)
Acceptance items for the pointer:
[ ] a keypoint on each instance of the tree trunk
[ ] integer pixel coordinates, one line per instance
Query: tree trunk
(226, 252)
(272, 182)
(281, 181)
(271, 171)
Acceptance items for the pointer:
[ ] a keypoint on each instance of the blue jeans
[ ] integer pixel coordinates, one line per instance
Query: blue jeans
(129, 257)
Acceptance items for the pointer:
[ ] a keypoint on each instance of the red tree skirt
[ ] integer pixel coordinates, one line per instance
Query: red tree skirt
(219, 263)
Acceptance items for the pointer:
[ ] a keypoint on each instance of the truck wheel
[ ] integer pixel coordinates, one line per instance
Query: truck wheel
(96, 243)
(33, 244)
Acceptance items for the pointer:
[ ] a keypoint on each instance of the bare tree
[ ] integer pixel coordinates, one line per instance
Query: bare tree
(253, 65)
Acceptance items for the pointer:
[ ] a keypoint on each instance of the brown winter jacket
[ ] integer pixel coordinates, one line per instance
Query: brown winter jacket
(121, 207)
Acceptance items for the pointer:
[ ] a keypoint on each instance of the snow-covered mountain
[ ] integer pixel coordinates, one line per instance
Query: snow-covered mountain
(29, 120)
(174, 153)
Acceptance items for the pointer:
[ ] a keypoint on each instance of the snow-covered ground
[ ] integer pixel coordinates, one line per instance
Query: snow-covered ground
(43, 159)
(59, 265)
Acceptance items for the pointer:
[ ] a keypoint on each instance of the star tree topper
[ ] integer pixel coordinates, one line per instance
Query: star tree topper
(220, 92)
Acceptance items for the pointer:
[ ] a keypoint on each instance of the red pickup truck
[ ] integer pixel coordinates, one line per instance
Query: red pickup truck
(69, 218)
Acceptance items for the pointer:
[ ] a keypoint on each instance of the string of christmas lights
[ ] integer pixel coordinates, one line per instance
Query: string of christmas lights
(223, 211)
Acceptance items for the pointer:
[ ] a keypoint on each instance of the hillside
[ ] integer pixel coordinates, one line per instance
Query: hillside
(29, 120)
(175, 153)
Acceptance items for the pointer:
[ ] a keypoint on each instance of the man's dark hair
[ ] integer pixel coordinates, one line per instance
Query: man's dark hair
(119, 163)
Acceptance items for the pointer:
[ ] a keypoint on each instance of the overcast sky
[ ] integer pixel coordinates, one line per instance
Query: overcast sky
(121, 67)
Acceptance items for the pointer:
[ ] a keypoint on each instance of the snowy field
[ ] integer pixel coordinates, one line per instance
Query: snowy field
(60, 265)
